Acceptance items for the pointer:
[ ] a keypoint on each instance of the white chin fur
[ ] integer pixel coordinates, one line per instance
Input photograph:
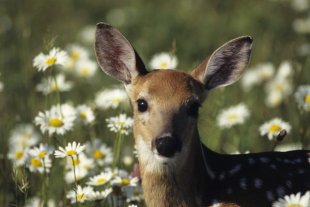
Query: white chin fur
(150, 160)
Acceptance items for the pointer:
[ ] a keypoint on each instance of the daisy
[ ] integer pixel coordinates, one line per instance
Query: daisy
(87, 34)
(77, 53)
(100, 152)
(70, 150)
(110, 98)
(37, 164)
(42, 151)
(80, 161)
(134, 194)
(300, 5)
(18, 155)
(123, 179)
(294, 200)
(233, 116)
(86, 68)
(100, 179)
(288, 147)
(81, 194)
(50, 85)
(127, 160)
(85, 114)
(265, 71)
(99, 195)
(302, 97)
(55, 57)
(120, 124)
(58, 120)
(37, 202)
(302, 25)
(24, 135)
(164, 60)
(273, 127)
(72, 176)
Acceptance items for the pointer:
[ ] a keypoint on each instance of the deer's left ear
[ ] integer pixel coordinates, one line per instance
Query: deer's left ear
(226, 64)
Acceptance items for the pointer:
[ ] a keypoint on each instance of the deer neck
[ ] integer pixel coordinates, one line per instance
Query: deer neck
(177, 183)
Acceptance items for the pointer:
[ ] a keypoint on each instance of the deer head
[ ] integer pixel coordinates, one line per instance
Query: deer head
(166, 102)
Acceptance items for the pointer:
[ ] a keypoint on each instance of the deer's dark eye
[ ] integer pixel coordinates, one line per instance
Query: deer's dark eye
(193, 109)
(142, 105)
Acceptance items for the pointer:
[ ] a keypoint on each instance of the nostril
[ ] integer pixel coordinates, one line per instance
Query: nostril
(167, 146)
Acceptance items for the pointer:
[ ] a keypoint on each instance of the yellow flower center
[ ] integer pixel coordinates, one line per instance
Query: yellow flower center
(80, 197)
(83, 115)
(85, 72)
(74, 55)
(19, 155)
(71, 152)
(101, 181)
(120, 123)
(274, 128)
(98, 154)
(163, 65)
(279, 87)
(55, 122)
(116, 100)
(232, 117)
(307, 98)
(42, 154)
(36, 162)
(51, 61)
(54, 86)
(125, 181)
(75, 162)
(294, 205)
(25, 134)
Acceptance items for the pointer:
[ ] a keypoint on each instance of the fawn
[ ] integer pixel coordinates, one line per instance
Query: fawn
(176, 168)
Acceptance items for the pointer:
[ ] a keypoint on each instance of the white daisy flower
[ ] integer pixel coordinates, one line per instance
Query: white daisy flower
(18, 155)
(1, 86)
(87, 34)
(99, 195)
(58, 120)
(302, 97)
(302, 25)
(37, 164)
(232, 116)
(127, 160)
(79, 174)
(50, 85)
(80, 161)
(70, 150)
(24, 135)
(42, 151)
(55, 57)
(122, 178)
(37, 202)
(288, 147)
(134, 194)
(273, 127)
(100, 152)
(265, 71)
(85, 114)
(86, 68)
(285, 70)
(100, 179)
(164, 61)
(110, 98)
(120, 124)
(81, 194)
(294, 200)
(77, 53)
(249, 79)
(300, 5)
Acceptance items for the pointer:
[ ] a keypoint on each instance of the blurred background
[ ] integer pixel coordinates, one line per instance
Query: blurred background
(191, 30)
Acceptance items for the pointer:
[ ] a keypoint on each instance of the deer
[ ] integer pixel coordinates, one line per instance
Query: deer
(176, 168)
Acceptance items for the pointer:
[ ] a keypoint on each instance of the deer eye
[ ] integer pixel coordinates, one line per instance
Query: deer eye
(142, 105)
(193, 109)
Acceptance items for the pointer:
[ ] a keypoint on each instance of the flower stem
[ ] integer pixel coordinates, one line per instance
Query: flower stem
(75, 181)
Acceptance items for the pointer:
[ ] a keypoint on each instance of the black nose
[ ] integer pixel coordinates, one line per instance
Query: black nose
(167, 146)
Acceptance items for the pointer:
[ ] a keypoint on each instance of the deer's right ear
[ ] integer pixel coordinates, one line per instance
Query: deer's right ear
(115, 54)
